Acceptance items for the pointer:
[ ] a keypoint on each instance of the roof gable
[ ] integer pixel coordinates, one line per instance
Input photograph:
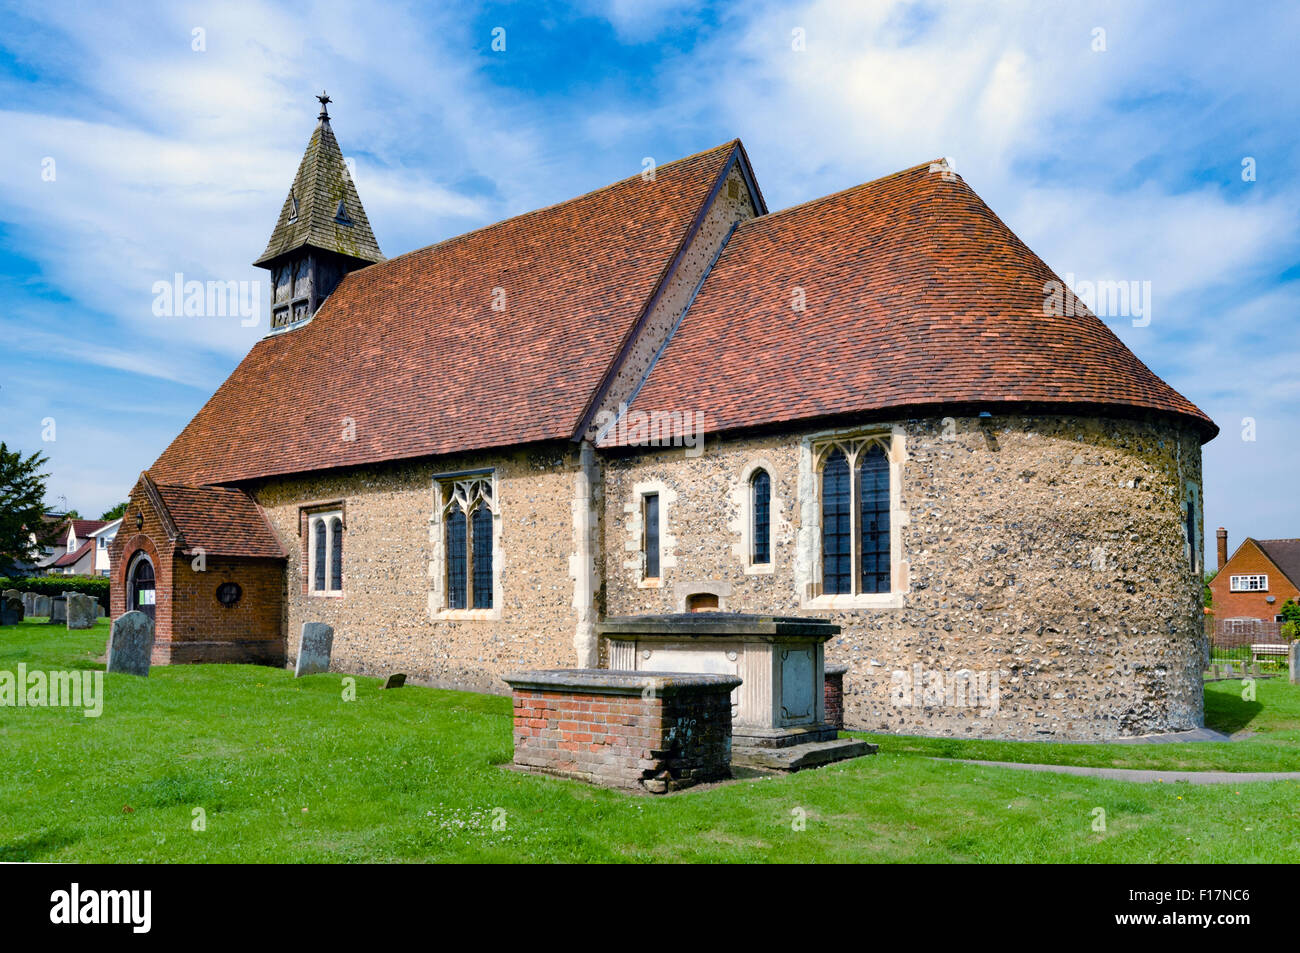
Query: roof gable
(904, 292)
(410, 357)
(1285, 555)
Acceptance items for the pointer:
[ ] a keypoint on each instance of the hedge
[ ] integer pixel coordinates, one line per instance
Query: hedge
(96, 586)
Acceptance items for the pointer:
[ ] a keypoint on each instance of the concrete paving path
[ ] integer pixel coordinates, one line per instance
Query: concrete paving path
(1141, 775)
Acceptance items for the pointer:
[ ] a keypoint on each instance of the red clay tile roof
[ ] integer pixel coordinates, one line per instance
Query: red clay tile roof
(412, 351)
(220, 521)
(916, 295)
(1285, 554)
(86, 527)
(70, 559)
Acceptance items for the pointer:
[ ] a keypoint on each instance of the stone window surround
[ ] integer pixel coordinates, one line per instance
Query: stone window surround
(808, 561)
(745, 498)
(309, 516)
(438, 611)
(634, 523)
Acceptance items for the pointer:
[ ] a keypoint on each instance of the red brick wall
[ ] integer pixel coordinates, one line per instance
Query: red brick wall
(190, 625)
(152, 539)
(251, 630)
(834, 695)
(654, 744)
(1250, 560)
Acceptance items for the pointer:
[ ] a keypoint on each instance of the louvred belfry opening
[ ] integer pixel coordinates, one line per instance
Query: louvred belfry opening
(322, 233)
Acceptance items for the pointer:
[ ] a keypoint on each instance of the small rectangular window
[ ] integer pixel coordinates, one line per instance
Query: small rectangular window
(651, 541)
(1249, 583)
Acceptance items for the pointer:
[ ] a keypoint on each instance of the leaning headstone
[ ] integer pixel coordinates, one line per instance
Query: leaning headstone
(11, 611)
(58, 609)
(1293, 659)
(81, 611)
(314, 649)
(41, 605)
(131, 644)
(11, 594)
(396, 680)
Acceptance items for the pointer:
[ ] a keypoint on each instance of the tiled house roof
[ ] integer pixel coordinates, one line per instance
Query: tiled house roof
(74, 557)
(916, 295)
(1285, 554)
(310, 212)
(412, 352)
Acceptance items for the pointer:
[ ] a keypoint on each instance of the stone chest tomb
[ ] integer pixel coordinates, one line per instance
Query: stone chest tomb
(778, 710)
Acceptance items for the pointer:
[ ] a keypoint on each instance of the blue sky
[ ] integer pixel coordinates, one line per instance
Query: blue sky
(1122, 163)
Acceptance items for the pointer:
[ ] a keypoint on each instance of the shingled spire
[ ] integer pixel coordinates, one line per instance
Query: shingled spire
(322, 232)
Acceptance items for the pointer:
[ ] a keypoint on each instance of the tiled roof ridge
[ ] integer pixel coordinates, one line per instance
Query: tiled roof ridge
(515, 219)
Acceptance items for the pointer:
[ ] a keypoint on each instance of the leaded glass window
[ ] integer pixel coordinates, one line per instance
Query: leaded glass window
(336, 554)
(651, 540)
(837, 531)
(761, 491)
(873, 520)
(482, 570)
(318, 567)
(457, 566)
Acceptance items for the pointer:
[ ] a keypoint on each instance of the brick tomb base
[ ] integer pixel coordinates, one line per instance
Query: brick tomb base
(642, 731)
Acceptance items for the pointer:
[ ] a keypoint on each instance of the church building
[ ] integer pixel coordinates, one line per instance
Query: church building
(662, 397)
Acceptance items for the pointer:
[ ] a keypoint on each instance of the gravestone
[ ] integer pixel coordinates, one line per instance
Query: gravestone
(11, 594)
(396, 680)
(40, 604)
(29, 603)
(81, 611)
(58, 609)
(99, 611)
(1293, 658)
(130, 647)
(11, 611)
(314, 649)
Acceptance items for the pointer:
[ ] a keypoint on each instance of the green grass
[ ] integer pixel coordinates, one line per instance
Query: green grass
(286, 770)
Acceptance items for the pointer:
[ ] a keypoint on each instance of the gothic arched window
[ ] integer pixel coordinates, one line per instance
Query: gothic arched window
(856, 540)
(467, 515)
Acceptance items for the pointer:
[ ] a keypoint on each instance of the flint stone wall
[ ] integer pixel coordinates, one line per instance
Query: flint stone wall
(1046, 550)
(386, 620)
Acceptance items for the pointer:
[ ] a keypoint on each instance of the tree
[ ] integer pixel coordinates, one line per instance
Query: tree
(1207, 595)
(115, 512)
(22, 503)
(1290, 612)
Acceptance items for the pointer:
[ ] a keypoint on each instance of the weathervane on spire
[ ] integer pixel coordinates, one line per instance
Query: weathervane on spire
(324, 102)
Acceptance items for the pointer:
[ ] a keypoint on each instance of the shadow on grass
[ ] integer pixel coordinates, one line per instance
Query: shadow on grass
(1228, 712)
(35, 846)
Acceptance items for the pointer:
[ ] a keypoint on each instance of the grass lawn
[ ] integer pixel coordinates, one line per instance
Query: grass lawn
(288, 771)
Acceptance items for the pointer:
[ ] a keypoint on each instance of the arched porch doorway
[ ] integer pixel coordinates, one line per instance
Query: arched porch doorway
(140, 583)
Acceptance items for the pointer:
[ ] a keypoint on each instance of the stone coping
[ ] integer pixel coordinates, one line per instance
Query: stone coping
(837, 668)
(697, 624)
(601, 681)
